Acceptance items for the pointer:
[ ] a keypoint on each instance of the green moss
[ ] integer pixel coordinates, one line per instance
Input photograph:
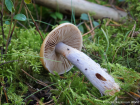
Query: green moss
(111, 48)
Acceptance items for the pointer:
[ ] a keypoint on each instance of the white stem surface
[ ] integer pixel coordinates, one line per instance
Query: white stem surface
(92, 70)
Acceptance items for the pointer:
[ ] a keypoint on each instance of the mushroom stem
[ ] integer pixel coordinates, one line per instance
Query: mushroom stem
(92, 70)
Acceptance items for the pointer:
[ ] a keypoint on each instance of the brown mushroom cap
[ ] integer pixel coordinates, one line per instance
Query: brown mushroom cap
(67, 33)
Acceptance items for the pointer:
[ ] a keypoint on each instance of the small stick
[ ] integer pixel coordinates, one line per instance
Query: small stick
(80, 24)
(21, 24)
(27, 16)
(120, 78)
(7, 62)
(131, 96)
(40, 82)
(89, 101)
(0, 95)
(117, 25)
(98, 1)
(134, 94)
(48, 26)
(133, 29)
(1, 12)
(9, 37)
(111, 2)
(2, 6)
(33, 21)
(4, 90)
(40, 14)
(90, 30)
(66, 77)
(47, 103)
(33, 96)
(87, 26)
(107, 22)
(37, 15)
(36, 10)
(92, 33)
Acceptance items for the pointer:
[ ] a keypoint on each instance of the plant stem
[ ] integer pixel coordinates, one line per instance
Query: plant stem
(4, 90)
(10, 35)
(33, 21)
(1, 19)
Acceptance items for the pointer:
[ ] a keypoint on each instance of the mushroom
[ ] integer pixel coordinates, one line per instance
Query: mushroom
(63, 44)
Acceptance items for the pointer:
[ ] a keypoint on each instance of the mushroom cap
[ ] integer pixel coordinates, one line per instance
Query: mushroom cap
(67, 33)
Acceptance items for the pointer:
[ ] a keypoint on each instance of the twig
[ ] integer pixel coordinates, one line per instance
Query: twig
(87, 26)
(107, 22)
(46, 103)
(33, 20)
(134, 94)
(92, 33)
(93, 96)
(40, 15)
(89, 101)
(79, 24)
(120, 78)
(4, 90)
(30, 88)
(123, 97)
(90, 21)
(48, 26)
(9, 38)
(27, 16)
(21, 24)
(116, 25)
(39, 102)
(0, 94)
(90, 30)
(131, 96)
(37, 16)
(40, 82)
(83, 79)
(133, 29)
(7, 62)
(23, 91)
(2, 7)
(111, 2)
(2, 48)
(98, 1)
(36, 10)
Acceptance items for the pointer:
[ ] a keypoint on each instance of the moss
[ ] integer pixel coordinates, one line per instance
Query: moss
(111, 48)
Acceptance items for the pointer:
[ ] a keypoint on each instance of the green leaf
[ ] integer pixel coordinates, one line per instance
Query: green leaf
(84, 16)
(64, 22)
(7, 22)
(81, 28)
(9, 5)
(53, 16)
(20, 17)
(59, 15)
(28, 1)
(95, 23)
